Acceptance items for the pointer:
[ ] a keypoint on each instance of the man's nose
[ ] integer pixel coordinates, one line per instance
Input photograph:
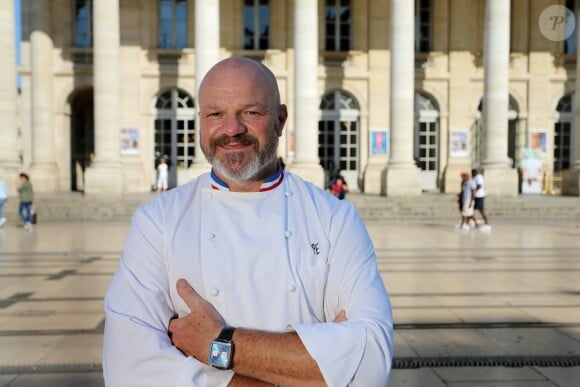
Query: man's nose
(234, 125)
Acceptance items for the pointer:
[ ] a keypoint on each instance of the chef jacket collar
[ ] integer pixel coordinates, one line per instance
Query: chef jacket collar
(268, 184)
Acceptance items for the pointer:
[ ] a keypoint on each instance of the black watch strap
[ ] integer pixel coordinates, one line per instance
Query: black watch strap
(226, 334)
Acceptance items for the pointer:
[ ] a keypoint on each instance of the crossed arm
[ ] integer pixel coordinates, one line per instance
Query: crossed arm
(260, 358)
(140, 304)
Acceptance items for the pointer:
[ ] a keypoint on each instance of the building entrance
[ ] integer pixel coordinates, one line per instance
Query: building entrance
(426, 141)
(82, 136)
(338, 136)
(174, 133)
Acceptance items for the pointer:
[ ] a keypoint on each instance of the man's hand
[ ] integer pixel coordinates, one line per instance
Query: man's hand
(193, 333)
(340, 317)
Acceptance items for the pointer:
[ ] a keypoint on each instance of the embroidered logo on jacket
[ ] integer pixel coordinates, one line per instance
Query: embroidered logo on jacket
(315, 248)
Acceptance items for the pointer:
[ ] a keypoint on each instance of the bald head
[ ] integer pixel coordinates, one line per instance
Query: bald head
(241, 119)
(233, 71)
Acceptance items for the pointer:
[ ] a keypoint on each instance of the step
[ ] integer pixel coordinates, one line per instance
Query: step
(443, 207)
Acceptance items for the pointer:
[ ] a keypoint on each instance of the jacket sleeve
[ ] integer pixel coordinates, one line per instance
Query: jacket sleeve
(137, 350)
(357, 352)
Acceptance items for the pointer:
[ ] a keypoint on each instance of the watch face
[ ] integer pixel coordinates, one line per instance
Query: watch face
(220, 355)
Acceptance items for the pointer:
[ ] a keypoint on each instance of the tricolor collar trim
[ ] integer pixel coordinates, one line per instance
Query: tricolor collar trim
(268, 184)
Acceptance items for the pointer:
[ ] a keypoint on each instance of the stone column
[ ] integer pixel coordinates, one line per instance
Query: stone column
(104, 176)
(207, 54)
(9, 146)
(43, 173)
(571, 176)
(306, 101)
(401, 176)
(501, 179)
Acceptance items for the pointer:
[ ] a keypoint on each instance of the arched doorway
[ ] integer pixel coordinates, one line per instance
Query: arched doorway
(478, 138)
(426, 140)
(82, 137)
(563, 132)
(338, 135)
(174, 132)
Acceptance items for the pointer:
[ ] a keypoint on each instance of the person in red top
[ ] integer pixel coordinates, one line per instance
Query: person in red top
(339, 188)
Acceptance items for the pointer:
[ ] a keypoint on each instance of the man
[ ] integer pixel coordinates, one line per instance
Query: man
(477, 183)
(248, 268)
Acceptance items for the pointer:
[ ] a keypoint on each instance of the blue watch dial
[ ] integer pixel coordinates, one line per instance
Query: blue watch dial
(220, 354)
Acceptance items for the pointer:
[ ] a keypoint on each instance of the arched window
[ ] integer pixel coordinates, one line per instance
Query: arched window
(563, 133)
(174, 134)
(426, 139)
(338, 136)
(82, 136)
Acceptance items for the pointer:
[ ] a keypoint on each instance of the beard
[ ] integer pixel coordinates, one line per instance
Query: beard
(241, 166)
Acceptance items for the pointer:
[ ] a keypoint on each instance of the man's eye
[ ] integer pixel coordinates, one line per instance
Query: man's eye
(214, 114)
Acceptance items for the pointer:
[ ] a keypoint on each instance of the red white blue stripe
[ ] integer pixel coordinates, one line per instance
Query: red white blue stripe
(268, 184)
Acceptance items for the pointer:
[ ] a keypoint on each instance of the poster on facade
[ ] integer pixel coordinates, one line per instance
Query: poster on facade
(129, 142)
(379, 142)
(538, 141)
(458, 146)
(532, 173)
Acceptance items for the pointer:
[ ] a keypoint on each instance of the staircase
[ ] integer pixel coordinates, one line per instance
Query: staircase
(443, 207)
(426, 207)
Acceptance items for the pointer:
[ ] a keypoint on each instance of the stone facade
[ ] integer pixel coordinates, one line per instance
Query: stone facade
(62, 88)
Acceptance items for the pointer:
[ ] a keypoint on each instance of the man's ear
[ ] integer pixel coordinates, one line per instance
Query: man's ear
(282, 117)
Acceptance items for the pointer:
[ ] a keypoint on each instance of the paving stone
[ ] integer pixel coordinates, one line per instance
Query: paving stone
(511, 292)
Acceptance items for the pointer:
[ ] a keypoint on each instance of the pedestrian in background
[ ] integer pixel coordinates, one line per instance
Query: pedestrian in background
(478, 182)
(162, 175)
(26, 195)
(332, 178)
(467, 201)
(339, 188)
(3, 197)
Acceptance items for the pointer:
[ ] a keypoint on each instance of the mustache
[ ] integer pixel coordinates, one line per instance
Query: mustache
(243, 139)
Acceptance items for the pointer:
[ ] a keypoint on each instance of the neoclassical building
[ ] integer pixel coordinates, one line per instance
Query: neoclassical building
(400, 95)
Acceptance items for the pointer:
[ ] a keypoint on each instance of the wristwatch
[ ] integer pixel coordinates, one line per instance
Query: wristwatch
(221, 350)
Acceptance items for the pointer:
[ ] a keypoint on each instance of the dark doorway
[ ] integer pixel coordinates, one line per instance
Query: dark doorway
(82, 137)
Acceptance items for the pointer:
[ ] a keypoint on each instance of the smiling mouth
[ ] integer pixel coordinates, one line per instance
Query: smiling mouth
(235, 143)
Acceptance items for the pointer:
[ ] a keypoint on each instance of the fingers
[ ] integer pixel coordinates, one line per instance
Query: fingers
(340, 317)
(186, 292)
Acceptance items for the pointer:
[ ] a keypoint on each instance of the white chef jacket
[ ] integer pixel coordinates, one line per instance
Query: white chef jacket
(288, 258)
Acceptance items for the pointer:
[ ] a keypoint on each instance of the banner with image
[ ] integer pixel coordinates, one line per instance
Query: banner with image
(379, 142)
(538, 141)
(458, 144)
(129, 142)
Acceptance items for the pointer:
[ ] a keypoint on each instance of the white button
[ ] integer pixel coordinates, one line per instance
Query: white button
(211, 236)
(208, 195)
(288, 194)
(291, 288)
(288, 234)
(215, 292)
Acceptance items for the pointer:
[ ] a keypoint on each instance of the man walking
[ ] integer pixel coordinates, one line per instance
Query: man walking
(478, 184)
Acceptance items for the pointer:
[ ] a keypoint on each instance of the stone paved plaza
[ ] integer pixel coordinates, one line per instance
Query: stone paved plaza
(499, 308)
